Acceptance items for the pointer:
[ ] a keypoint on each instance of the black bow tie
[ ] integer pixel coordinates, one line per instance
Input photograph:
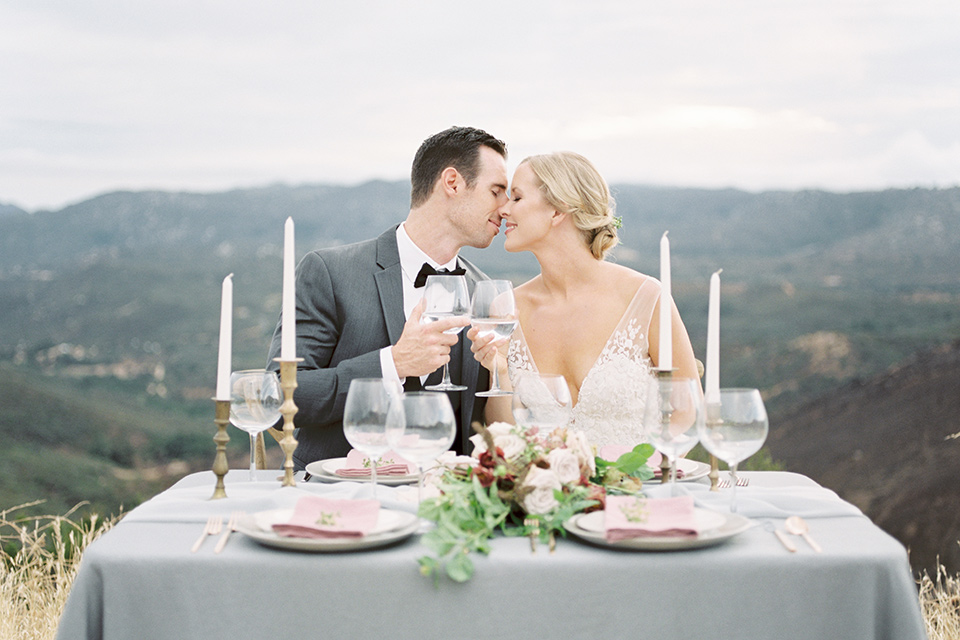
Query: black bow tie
(427, 270)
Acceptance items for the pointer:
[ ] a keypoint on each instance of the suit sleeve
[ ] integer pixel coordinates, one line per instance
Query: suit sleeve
(321, 388)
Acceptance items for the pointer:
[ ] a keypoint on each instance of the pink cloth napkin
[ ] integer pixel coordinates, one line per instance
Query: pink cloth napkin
(316, 517)
(628, 517)
(358, 465)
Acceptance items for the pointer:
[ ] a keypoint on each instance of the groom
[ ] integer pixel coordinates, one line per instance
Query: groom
(359, 306)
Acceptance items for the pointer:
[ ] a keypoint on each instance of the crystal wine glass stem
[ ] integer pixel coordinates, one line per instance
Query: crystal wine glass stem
(419, 485)
(673, 476)
(446, 374)
(373, 474)
(424, 524)
(496, 371)
(733, 488)
(253, 457)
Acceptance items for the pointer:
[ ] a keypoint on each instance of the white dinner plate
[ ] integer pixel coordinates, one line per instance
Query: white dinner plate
(692, 470)
(327, 470)
(391, 527)
(714, 528)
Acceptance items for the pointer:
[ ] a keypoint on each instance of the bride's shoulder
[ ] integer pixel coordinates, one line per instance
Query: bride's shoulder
(627, 282)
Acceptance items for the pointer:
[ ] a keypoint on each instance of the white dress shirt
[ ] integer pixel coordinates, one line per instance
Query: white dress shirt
(412, 258)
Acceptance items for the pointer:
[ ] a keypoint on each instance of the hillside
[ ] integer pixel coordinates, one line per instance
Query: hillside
(70, 444)
(109, 312)
(885, 444)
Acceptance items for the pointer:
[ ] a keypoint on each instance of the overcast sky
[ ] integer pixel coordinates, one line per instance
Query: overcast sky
(99, 95)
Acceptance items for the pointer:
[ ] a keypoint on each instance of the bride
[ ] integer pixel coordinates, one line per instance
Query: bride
(593, 322)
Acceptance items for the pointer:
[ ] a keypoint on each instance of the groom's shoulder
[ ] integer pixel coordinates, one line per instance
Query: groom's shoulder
(364, 250)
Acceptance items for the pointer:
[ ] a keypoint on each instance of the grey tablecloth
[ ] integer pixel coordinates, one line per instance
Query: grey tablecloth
(141, 581)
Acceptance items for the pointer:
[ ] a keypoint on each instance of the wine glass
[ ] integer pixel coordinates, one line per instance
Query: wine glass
(255, 399)
(672, 413)
(541, 400)
(494, 311)
(372, 410)
(429, 427)
(446, 296)
(734, 429)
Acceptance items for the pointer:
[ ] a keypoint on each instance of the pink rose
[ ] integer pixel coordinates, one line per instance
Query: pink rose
(541, 483)
(577, 441)
(566, 464)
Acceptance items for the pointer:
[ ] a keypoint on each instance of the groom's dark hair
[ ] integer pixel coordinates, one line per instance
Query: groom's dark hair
(457, 147)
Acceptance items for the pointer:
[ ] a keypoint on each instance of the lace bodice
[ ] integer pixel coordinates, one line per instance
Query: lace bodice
(610, 405)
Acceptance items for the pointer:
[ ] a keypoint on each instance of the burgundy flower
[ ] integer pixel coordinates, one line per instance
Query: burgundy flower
(485, 475)
(489, 460)
(596, 492)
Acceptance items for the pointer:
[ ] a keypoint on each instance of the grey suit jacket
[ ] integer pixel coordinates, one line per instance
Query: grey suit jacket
(349, 306)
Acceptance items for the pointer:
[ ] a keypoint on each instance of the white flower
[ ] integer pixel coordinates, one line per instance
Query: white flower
(577, 441)
(450, 460)
(479, 446)
(504, 436)
(543, 483)
(512, 445)
(566, 464)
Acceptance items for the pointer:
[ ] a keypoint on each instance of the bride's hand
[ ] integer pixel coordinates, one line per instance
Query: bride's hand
(487, 351)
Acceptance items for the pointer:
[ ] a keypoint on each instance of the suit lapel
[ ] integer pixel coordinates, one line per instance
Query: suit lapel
(390, 283)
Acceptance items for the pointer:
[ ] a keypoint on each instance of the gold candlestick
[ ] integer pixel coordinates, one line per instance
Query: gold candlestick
(714, 474)
(221, 416)
(288, 382)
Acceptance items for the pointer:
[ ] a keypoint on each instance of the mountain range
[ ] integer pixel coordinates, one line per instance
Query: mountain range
(109, 316)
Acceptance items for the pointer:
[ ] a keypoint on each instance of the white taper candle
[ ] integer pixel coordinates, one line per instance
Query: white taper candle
(225, 355)
(288, 323)
(712, 382)
(666, 307)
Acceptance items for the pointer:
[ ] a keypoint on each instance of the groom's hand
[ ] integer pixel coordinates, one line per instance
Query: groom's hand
(424, 348)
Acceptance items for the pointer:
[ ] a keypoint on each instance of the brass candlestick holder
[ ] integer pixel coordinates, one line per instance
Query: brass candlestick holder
(221, 416)
(288, 382)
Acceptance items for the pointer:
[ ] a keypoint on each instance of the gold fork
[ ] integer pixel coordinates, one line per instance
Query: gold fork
(725, 483)
(212, 528)
(231, 527)
(534, 532)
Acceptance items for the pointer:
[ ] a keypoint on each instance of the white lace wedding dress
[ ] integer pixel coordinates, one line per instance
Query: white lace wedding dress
(610, 405)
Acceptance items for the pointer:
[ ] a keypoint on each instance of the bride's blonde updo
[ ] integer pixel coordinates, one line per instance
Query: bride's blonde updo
(571, 184)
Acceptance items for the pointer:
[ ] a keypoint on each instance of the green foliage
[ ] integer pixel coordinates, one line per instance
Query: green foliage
(632, 463)
(466, 515)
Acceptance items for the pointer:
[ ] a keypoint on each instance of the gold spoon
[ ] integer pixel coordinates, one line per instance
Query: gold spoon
(798, 527)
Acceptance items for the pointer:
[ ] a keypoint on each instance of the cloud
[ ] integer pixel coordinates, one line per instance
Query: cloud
(213, 94)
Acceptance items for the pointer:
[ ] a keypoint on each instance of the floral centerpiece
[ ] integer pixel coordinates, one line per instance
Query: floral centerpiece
(519, 482)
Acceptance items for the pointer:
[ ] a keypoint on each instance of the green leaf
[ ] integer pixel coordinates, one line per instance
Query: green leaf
(632, 460)
(460, 567)
(430, 509)
(430, 567)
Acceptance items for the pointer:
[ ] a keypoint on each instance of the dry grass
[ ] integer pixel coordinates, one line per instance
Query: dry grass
(39, 557)
(940, 601)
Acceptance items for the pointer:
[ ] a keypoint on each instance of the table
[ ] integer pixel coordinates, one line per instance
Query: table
(141, 581)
